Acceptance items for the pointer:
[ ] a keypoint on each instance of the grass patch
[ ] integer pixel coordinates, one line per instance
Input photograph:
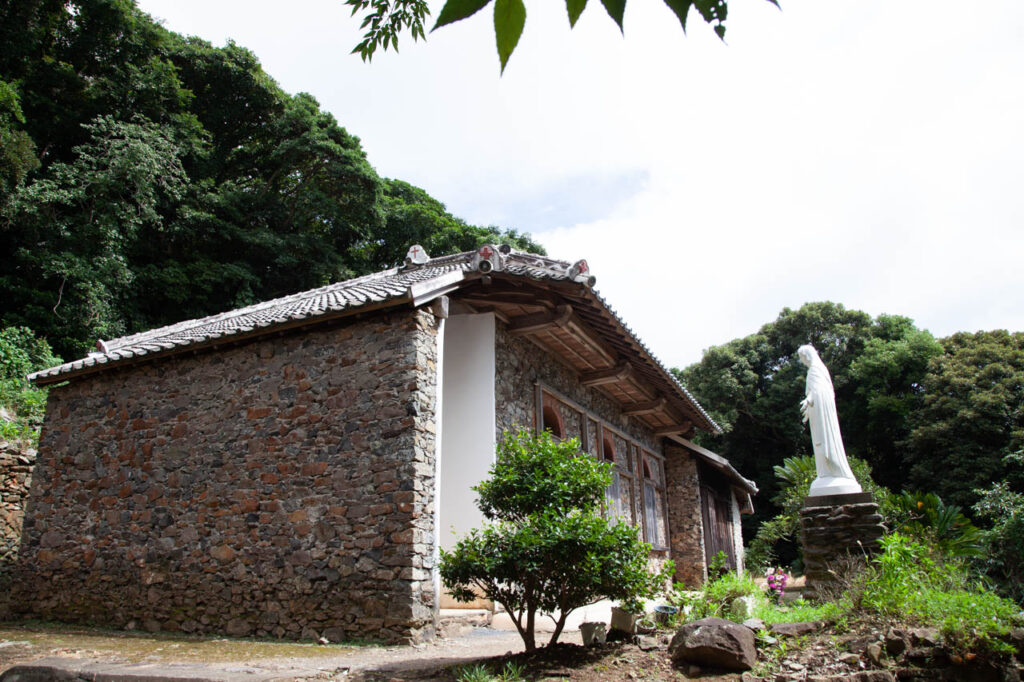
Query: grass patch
(800, 612)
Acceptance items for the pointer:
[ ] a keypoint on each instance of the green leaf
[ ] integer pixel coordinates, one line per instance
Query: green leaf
(457, 10)
(681, 9)
(509, 19)
(616, 8)
(575, 9)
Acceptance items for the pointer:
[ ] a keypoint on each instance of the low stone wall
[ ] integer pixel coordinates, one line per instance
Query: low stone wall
(15, 477)
(279, 488)
(836, 530)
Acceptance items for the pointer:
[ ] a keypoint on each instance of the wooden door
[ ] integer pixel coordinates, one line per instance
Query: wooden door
(718, 531)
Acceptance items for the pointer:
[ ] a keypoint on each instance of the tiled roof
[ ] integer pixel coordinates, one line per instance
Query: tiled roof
(413, 283)
(396, 284)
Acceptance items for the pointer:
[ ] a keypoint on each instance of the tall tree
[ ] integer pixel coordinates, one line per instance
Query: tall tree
(972, 418)
(68, 234)
(147, 178)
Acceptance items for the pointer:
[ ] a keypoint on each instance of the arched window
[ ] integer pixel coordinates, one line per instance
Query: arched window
(553, 421)
(609, 449)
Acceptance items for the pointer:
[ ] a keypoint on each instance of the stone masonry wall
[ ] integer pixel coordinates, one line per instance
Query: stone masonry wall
(835, 534)
(281, 488)
(519, 364)
(15, 477)
(686, 530)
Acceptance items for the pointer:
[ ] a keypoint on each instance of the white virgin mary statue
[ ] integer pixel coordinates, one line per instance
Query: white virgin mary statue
(819, 409)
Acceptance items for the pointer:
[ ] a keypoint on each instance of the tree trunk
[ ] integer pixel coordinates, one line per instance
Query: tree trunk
(563, 616)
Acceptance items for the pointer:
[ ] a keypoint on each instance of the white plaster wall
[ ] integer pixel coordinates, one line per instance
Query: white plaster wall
(467, 421)
(737, 533)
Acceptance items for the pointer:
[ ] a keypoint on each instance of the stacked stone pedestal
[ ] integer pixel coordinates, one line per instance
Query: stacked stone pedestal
(834, 530)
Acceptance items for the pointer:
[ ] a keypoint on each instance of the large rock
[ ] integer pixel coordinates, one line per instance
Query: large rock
(714, 643)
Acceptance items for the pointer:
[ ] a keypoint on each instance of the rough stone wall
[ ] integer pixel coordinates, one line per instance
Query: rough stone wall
(15, 477)
(834, 534)
(281, 488)
(518, 364)
(686, 529)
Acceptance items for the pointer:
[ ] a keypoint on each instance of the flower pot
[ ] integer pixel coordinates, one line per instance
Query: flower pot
(593, 633)
(624, 620)
(664, 613)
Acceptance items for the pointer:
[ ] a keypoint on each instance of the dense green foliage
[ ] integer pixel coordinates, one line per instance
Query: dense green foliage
(909, 581)
(386, 20)
(21, 353)
(547, 548)
(146, 177)
(945, 417)
(916, 582)
(1003, 556)
(971, 418)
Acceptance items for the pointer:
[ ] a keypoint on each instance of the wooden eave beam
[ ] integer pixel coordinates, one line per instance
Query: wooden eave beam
(640, 409)
(508, 299)
(674, 430)
(537, 322)
(608, 375)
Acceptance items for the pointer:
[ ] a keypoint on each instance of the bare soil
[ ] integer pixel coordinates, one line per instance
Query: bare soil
(827, 652)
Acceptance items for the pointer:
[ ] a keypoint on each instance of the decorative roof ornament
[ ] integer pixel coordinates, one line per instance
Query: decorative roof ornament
(416, 255)
(580, 272)
(488, 258)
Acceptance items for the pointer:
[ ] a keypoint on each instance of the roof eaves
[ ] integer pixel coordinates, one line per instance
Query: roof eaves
(719, 462)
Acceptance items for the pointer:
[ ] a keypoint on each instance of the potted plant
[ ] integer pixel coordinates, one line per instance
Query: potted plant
(626, 615)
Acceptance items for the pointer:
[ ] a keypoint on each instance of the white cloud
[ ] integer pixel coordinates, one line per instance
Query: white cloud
(865, 152)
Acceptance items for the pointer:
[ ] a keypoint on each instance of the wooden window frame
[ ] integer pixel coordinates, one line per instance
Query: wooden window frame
(630, 470)
(659, 490)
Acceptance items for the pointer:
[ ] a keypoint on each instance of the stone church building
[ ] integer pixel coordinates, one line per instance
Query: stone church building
(291, 469)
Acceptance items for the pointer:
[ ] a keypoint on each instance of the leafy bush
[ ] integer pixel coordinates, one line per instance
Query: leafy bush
(923, 516)
(714, 598)
(548, 549)
(21, 353)
(1003, 557)
(915, 582)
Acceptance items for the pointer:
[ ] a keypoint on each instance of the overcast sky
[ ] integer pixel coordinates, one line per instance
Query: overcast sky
(869, 152)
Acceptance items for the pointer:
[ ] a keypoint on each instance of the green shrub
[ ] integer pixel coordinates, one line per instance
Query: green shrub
(547, 547)
(924, 517)
(800, 611)
(714, 598)
(914, 582)
(1003, 557)
(21, 353)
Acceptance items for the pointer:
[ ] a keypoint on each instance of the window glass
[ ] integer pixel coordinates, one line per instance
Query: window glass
(654, 506)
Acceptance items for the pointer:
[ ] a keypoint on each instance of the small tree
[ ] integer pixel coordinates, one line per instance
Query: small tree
(547, 547)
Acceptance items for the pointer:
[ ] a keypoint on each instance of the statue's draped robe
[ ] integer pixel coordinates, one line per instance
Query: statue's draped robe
(829, 453)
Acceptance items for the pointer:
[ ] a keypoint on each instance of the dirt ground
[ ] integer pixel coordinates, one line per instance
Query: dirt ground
(22, 643)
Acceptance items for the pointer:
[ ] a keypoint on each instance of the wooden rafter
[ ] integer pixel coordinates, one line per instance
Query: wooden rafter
(640, 409)
(535, 322)
(674, 430)
(608, 375)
